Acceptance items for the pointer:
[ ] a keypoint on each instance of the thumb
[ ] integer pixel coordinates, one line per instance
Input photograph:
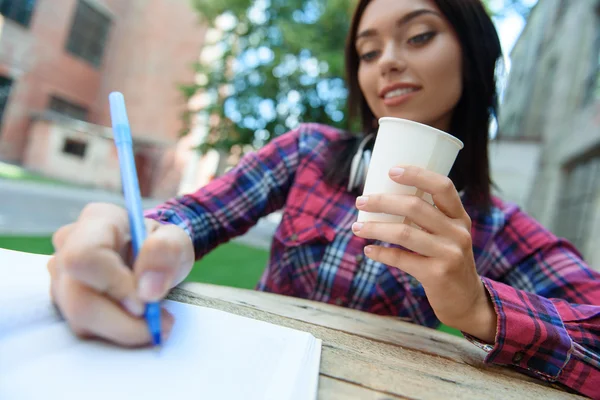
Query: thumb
(165, 259)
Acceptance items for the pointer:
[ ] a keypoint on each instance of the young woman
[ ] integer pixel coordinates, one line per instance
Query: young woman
(479, 265)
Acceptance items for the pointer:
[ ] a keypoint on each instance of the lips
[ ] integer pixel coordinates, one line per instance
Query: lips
(397, 89)
(399, 92)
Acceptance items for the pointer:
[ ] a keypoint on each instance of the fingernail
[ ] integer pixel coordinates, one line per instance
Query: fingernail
(133, 306)
(368, 250)
(396, 171)
(357, 226)
(361, 201)
(152, 285)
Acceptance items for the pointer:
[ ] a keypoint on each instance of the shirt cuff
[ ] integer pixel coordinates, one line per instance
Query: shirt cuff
(530, 333)
(166, 217)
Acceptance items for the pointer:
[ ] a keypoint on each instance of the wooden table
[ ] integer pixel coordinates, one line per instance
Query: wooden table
(366, 356)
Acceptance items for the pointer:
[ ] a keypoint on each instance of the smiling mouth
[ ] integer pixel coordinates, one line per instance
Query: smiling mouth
(399, 92)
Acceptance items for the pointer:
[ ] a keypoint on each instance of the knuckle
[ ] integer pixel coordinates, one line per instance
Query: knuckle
(468, 222)
(404, 233)
(414, 171)
(104, 211)
(397, 257)
(92, 209)
(72, 259)
(440, 274)
(447, 184)
(374, 201)
(58, 238)
(464, 239)
(454, 255)
(414, 205)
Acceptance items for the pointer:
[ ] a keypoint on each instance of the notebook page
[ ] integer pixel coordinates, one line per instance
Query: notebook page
(24, 286)
(307, 383)
(211, 354)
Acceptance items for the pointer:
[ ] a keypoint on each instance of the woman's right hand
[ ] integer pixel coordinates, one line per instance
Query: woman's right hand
(98, 290)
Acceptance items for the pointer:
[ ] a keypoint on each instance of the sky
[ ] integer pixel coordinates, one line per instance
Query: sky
(510, 27)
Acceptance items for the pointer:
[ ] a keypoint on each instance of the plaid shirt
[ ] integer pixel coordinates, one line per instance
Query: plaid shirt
(546, 298)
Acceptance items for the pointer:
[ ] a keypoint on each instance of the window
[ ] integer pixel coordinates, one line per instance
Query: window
(18, 10)
(75, 147)
(578, 201)
(89, 33)
(67, 108)
(593, 81)
(5, 86)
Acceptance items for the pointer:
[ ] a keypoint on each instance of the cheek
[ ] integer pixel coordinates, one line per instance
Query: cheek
(367, 83)
(454, 84)
(445, 75)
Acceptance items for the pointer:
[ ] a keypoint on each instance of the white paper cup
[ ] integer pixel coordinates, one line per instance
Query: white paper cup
(404, 142)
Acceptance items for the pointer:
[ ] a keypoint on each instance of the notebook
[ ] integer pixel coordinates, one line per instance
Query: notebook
(210, 354)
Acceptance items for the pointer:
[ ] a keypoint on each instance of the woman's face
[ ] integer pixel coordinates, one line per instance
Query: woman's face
(410, 62)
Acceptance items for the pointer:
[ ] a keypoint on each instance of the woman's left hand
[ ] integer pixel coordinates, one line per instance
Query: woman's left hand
(443, 252)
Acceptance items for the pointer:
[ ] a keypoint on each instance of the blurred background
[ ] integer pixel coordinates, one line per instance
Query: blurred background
(207, 81)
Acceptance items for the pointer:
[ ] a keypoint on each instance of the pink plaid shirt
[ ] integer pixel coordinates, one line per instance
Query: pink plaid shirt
(546, 297)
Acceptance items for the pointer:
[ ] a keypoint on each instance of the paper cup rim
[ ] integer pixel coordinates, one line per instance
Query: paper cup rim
(445, 135)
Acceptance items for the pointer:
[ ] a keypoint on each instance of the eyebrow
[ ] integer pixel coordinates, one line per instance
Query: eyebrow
(402, 21)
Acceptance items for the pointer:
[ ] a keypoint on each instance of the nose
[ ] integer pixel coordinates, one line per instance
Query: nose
(391, 60)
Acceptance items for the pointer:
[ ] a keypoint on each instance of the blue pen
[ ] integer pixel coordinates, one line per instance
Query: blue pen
(133, 200)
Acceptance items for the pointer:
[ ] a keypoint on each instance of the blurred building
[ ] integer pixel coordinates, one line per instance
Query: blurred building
(59, 60)
(551, 111)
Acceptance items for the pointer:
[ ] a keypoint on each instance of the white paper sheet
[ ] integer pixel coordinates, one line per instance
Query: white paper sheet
(210, 354)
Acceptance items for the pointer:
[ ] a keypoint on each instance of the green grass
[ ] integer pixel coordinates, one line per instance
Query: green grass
(231, 264)
(13, 172)
(29, 244)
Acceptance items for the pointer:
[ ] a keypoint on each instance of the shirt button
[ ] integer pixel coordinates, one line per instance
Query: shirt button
(294, 237)
(517, 357)
(359, 258)
(339, 301)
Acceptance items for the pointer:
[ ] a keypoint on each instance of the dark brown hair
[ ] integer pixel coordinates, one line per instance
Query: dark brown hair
(472, 115)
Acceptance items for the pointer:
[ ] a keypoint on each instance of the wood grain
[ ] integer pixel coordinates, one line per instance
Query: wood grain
(366, 356)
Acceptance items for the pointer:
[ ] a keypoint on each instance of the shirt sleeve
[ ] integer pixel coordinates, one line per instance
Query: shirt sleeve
(231, 204)
(548, 307)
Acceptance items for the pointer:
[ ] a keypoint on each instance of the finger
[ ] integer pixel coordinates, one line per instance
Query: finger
(415, 208)
(103, 270)
(53, 271)
(51, 266)
(440, 187)
(166, 258)
(59, 237)
(90, 256)
(401, 234)
(91, 314)
(412, 264)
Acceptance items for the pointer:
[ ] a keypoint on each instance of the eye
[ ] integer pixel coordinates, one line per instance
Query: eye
(369, 56)
(421, 39)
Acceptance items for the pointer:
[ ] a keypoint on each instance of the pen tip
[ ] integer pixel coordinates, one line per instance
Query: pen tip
(156, 342)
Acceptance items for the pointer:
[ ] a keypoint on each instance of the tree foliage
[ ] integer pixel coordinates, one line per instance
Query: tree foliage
(275, 63)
